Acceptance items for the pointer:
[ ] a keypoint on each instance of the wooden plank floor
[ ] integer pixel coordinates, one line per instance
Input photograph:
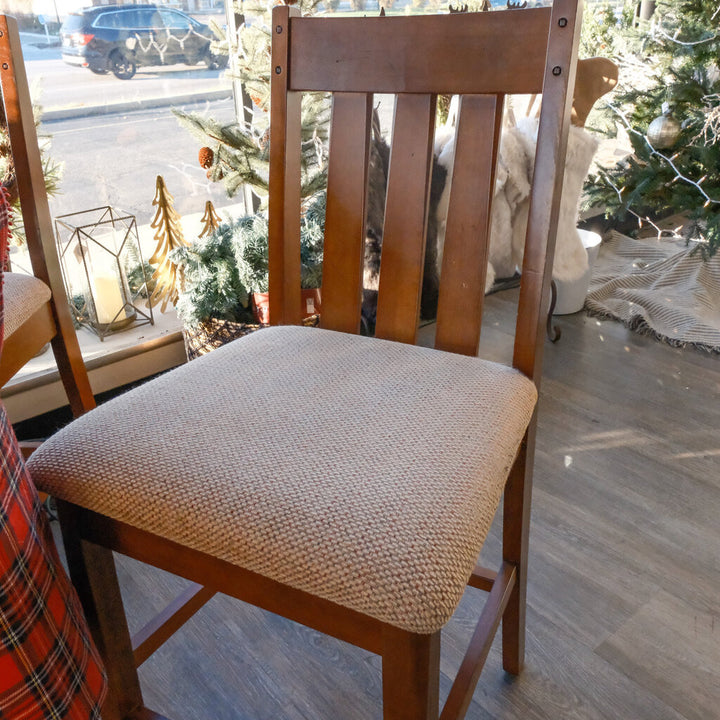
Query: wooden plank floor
(624, 595)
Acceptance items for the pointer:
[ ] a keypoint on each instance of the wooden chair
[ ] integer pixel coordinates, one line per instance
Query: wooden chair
(36, 308)
(368, 471)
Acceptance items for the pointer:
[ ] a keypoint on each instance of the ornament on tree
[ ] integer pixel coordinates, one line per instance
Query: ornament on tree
(664, 131)
(206, 157)
(169, 236)
(210, 220)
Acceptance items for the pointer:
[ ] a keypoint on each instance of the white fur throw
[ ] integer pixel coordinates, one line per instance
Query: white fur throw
(510, 202)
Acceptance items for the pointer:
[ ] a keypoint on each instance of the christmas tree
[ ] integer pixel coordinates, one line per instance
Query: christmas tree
(52, 172)
(669, 104)
(238, 153)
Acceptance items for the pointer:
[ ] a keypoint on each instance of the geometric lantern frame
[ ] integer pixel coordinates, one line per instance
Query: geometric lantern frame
(103, 269)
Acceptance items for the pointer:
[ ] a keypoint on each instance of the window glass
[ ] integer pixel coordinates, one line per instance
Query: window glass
(73, 23)
(175, 20)
(149, 18)
(122, 20)
(106, 20)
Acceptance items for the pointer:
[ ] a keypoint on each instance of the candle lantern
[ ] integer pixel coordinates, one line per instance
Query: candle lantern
(104, 273)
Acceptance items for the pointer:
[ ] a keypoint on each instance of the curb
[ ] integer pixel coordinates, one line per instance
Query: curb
(53, 115)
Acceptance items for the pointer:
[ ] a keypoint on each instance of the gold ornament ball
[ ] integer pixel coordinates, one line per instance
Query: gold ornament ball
(663, 132)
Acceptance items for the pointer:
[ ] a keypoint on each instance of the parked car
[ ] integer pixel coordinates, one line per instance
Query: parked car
(120, 38)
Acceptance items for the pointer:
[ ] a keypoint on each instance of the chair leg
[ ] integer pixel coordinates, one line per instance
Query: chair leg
(516, 529)
(513, 628)
(410, 675)
(92, 570)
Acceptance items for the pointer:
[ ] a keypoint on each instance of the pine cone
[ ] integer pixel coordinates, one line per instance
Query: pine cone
(206, 157)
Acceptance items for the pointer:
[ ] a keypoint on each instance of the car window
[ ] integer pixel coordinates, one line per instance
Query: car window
(150, 18)
(73, 23)
(106, 20)
(118, 20)
(175, 20)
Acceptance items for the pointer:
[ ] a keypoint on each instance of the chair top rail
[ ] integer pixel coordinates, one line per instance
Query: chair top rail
(458, 54)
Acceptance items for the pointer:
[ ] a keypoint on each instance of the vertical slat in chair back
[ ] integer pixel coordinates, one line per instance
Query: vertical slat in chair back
(345, 214)
(406, 211)
(465, 254)
(481, 57)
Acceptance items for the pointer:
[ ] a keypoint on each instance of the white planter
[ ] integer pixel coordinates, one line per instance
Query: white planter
(571, 295)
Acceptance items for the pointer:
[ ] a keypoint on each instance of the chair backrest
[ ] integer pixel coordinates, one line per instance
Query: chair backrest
(479, 56)
(57, 323)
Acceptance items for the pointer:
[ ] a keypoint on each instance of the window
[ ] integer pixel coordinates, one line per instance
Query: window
(175, 21)
(121, 20)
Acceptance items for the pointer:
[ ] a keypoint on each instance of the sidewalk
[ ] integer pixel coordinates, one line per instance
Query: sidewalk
(107, 108)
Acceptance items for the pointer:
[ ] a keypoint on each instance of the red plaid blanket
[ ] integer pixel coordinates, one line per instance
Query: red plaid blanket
(49, 667)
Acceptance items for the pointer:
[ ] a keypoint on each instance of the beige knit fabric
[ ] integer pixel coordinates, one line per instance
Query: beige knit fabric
(22, 296)
(363, 471)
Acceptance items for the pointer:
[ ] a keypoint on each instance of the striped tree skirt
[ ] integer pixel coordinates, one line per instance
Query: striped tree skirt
(660, 288)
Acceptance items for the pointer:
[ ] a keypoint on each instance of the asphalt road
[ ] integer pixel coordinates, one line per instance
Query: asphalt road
(114, 160)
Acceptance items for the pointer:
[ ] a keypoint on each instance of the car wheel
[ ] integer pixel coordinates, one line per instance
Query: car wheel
(123, 68)
(216, 62)
(97, 71)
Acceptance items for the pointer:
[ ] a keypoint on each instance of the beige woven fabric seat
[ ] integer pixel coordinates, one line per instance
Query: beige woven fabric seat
(359, 470)
(24, 295)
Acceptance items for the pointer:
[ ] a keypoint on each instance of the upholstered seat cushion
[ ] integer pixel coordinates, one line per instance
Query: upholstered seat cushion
(23, 295)
(360, 470)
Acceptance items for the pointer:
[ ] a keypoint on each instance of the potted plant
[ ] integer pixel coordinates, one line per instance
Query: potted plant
(253, 262)
(224, 275)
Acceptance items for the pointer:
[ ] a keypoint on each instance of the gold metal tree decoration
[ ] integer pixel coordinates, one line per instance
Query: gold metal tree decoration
(169, 236)
(210, 220)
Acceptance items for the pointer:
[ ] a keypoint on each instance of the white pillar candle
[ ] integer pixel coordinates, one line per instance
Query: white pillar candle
(108, 297)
